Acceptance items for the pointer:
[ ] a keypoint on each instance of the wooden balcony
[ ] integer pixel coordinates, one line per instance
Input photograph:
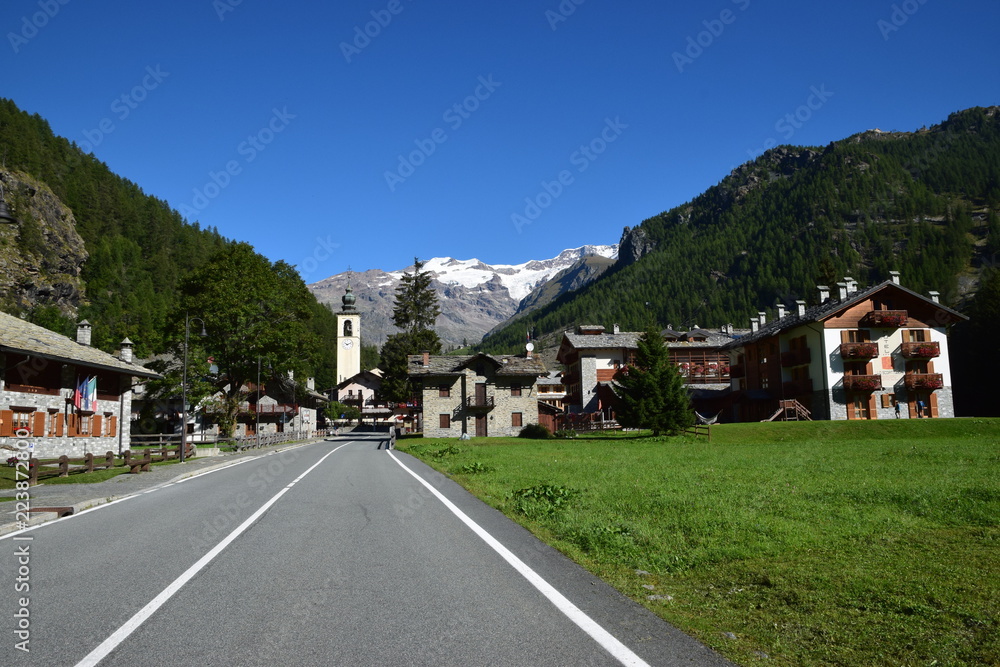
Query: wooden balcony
(483, 403)
(796, 388)
(929, 381)
(862, 382)
(796, 358)
(853, 351)
(921, 350)
(887, 319)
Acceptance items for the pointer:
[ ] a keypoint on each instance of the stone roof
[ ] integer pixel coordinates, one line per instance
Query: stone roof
(605, 341)
(22, 337)
(506, 365)
(829, 307)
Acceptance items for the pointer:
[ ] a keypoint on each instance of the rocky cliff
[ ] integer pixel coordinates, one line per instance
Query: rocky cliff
(41, 254)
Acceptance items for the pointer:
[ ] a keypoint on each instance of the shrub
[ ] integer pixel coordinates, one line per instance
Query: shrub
(535, 432)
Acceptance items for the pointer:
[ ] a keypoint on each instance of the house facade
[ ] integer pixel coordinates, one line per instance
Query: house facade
(63, 396)
(480, 395)
(592, 356)
(855, 355)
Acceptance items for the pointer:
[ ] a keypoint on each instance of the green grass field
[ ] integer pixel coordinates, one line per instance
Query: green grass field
(813, 543)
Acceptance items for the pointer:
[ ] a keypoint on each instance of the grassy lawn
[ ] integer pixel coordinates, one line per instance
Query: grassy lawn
(814, 543)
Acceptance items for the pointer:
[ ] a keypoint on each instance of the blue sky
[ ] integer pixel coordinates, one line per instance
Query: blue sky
(505, 131)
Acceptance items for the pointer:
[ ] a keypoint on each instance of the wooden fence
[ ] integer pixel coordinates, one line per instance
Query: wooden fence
(63, 466)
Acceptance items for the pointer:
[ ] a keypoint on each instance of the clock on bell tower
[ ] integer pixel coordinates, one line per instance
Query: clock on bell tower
(348, 338)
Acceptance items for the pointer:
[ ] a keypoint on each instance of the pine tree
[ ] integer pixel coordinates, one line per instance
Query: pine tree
(415, 311)
(416, 305)
(650, 392)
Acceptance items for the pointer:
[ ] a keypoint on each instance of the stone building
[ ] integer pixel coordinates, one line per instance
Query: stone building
(63, 396)
(480, 395)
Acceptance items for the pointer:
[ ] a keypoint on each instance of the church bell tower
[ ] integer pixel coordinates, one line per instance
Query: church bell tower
(348, 338)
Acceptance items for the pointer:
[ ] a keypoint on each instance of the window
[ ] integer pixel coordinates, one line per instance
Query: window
(860, 406)
(84, 425)
(444, 391)
(515, 390)
(22, 421)
(444, 421)
(857, 336)
(515, 419)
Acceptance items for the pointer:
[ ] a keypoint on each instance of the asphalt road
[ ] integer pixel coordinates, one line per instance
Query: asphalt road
(331, 553)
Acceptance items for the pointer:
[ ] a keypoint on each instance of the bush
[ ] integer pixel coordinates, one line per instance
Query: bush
(565, 433)
(535, 432)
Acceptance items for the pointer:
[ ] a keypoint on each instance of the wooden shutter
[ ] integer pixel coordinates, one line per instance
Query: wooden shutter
(59, 426)
(851, 412)
(845, 336)
(906, 335)
(72, 425)
(113, 426)
(886, 401)
(934, 405)
(912, 407)
(6, 423)
(869, 370)
(872, 407)
(95, 426)
(930, 367)
(38, 424)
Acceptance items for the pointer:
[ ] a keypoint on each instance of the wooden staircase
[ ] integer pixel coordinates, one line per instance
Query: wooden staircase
(790, 411)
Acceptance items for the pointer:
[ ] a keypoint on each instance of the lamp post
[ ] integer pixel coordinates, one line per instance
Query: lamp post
(184, 380)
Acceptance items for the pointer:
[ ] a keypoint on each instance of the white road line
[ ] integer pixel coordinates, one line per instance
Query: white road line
(131, 625)
(621, 652)
(141, 493)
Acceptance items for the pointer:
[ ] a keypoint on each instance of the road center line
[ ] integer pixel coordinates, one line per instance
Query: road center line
(621, 652)
(131, 625)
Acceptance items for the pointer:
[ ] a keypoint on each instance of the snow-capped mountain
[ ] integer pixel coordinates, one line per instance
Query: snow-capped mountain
(474, 297)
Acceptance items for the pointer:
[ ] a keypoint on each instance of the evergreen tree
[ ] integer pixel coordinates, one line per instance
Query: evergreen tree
(415, 310)
(650, 392)
(416, 305)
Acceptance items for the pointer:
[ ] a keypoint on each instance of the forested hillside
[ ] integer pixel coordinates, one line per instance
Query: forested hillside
(923, 203)
(139, 247)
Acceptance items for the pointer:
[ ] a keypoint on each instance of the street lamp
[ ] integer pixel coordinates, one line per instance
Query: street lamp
(184, 380)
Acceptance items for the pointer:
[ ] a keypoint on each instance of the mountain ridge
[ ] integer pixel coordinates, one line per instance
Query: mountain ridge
(474, 297)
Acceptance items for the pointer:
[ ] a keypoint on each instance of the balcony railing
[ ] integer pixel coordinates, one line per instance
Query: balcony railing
(859, 350)
(924, 381)
(796, 388)
(887, 319)
(481, 402)
(921, 350)
(862, 382)
(796, 358)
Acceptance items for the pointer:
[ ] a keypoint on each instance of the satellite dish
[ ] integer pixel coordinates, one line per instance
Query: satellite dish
(530, 347)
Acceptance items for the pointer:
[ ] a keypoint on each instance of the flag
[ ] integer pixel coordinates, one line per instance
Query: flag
(78, 394)
(92, 394)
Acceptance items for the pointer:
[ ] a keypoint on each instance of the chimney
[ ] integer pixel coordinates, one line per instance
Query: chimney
(935, 296)
(311, 384)
(852, 285)
(801, 308)
(125, 354)
(615, 329)
(427, 358)
(894, 275)
(842, 291)
(824, 293)
(781, 310)
(83, 333)
(762, 316)
(754, 325)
